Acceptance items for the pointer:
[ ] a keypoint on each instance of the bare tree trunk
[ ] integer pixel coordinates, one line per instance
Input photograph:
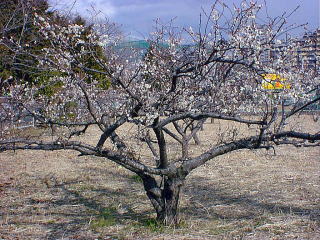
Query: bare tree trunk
(165, 201)
(169, 214)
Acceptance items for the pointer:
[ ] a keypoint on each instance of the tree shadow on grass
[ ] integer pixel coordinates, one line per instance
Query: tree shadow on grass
(75, 213)
(208, 202)
(97, 213)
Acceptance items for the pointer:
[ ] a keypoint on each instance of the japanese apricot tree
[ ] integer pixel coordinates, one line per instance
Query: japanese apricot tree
(164, 95)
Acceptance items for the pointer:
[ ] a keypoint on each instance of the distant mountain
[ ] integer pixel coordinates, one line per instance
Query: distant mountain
(143, 44)
(137, 44)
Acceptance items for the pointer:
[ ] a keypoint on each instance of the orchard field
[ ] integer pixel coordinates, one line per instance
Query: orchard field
(258, 194)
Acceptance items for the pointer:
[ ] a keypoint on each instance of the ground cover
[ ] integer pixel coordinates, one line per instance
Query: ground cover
(244, 195)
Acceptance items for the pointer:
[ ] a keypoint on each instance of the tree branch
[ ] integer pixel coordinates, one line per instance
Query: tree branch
(199, 116)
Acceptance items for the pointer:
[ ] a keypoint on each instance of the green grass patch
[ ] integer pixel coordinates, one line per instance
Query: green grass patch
(136, 178)
(152, 224)
(106, 218)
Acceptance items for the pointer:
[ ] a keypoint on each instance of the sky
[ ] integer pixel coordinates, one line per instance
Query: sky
(137, 17)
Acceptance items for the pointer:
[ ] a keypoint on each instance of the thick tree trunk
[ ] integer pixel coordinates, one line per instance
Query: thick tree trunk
(169, 214)
(165, 201)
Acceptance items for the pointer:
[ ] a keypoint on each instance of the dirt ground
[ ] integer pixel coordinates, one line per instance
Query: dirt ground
(243, 195)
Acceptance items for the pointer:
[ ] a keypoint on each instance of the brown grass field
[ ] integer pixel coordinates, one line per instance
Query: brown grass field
(243, 195)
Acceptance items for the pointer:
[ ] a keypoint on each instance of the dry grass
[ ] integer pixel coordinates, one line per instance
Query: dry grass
(243, 195)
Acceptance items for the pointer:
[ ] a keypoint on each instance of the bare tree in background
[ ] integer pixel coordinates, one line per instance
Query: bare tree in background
(165, 96)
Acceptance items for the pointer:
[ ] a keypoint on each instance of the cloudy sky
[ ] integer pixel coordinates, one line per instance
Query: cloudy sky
(137, 16)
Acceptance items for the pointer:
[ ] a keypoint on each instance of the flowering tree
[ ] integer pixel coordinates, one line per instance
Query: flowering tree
(166, 95)
(16, 24)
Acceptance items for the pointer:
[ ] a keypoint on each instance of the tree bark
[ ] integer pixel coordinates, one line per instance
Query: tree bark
(169, 214)
(196, 139)
(166, 200)
(184, 149)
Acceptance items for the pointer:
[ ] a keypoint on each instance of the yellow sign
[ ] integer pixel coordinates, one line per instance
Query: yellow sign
(273, 81)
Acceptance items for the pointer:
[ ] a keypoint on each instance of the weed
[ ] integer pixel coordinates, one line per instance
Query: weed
(102, 222)
(274, 228)
(84, 187)
(222, 229)
(152, 224)
(51, 221)
(259, 221)
(108, 212)
(136, 178)
(106, 218)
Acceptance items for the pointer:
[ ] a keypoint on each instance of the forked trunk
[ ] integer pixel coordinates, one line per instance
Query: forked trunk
(169, 214)
(166, 200)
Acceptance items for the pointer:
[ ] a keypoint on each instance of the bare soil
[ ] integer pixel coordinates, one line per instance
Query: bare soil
(243, 195)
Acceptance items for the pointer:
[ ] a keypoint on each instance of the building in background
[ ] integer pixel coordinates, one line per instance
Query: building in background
(308, 55)
(305, 57)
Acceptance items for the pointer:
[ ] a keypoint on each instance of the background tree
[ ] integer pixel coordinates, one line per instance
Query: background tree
(17, 29)
(218, 76)
(22, 42)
